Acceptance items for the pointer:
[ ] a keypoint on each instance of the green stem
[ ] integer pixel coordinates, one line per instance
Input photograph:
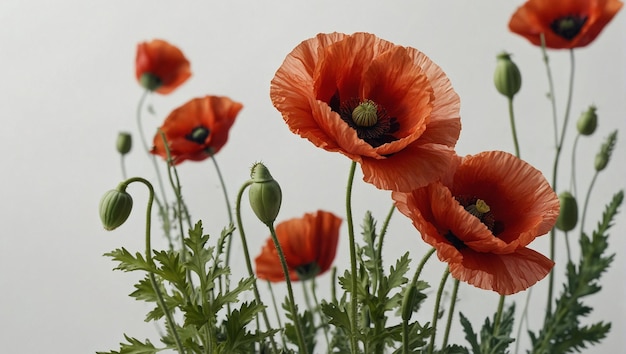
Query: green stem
(546, 61)
(523, 319)
(442, 284)
(379, 248)
(353, 270)
(161, 205)
(277, 314)
(559, 147)
(123, 165)
(405, 321)
(323, 322)
(244, 246)
(157, 290)
(446, 334)
(584, 215)
(498, 319)
(513, 129)
(292, 301)
(574, 187)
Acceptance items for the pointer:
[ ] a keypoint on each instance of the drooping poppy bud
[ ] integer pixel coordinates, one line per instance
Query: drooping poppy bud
(603, 157)
(507, 77)
(588, 121)
(568, 216)
(124, 143)
(115, 207)
(265, 194)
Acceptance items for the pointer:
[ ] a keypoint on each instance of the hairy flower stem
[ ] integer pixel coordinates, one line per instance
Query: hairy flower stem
(161, 205)
(498, 318)
(157, 290)
(354, 299)
(379, 248)
(292, 301)
(446, 334)
(323, 321)
(513, 129)
(244, 246)
(405, 321)
(442, 285)
(555, 168)
(584, 214)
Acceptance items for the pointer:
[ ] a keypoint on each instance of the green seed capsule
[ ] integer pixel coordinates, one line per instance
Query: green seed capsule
(124, 143)
(265, 194)
(115, 207)
(588, 121)
(507, 77)
(568, 217)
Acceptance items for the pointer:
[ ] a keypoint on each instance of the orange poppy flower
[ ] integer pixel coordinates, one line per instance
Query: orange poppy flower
(197, 129)
(481, 217)
(388, 107)
(565, 24)
(160, 66)
(309, 244)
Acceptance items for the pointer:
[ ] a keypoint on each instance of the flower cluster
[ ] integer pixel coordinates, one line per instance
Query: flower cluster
(394, 112)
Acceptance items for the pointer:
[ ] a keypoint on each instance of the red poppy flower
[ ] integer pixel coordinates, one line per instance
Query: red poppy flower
(481, 217)
(160, 66)
(197, 129)
(565, 24)
(388, 107)
(309, 244)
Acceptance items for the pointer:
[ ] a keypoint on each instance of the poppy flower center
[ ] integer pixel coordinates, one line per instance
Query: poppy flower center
(568, 27)
(198, 135)
(150, 81)
(481, 210)
(370, 120)
(308, 271)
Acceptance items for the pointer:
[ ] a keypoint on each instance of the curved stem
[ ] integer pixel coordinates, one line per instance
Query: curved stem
(584, 215)
(513, 129)
(379, 248)
(162, 205)
(407, 317)
(554, 176)
(573, 175)
(157, 290)
(244, 246)
(446, 334)
(292, 301)
(546, 61)
(442, 284)
(353, 270)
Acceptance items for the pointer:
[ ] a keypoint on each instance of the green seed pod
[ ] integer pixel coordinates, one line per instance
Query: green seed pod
(588, 121)
(150, 82)
(265, 194)
(124, 143)
(568, 217)
(115, 207)
(603, 157)
(507, 77)
(408, 302)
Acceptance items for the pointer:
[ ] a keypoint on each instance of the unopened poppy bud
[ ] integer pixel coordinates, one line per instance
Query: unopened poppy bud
(115, 207)
(124, 143)
(408, 302)
(150, 82)
(507, 77)
(568, 216)
(265, 194)
(603, 157)
(588, 121)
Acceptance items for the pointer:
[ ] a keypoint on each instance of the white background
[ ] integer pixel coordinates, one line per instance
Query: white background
(67, 87)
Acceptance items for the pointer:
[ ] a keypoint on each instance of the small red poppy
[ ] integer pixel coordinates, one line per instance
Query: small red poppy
(481, 217)
(309, 244)
(387, 107)
(160, 66)
(565, 24)
(197, 129)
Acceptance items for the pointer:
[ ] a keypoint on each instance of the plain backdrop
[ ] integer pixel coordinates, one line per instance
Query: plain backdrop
(67, 88)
